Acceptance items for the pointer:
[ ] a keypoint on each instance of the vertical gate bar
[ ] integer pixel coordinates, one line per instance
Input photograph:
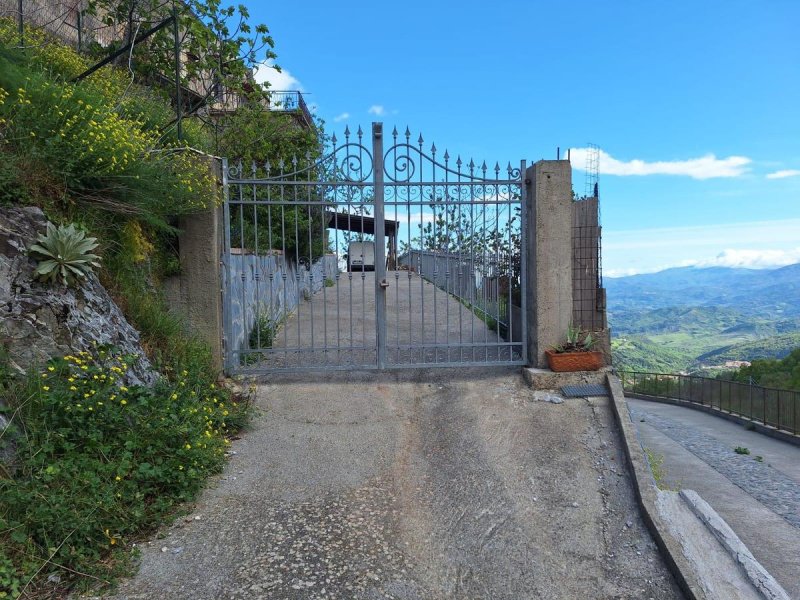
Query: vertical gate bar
(307, 186)
(460, 266)
(274, 319)
(471, 263)
(257, 259)
(334, 192)
(284, 277)
(380, 242)
(509, 202)
(349, 203)
(325, 248)
(243, 241)
(226, 290)
(484, 297)
(296, 267)
(408, 220)
(435, 258)
(497, 245)
(523, 261)
(447, 262)
(423, 336)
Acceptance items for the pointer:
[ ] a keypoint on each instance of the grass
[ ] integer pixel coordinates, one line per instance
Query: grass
(741, 450)
(657, 468)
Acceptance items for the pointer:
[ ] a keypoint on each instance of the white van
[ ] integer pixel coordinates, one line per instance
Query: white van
(361, 256)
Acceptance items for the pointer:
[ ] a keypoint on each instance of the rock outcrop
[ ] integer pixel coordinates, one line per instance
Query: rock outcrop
(39, 321)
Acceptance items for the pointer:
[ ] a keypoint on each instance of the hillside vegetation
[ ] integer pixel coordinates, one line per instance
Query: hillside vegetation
(694, 320)
(98, 463)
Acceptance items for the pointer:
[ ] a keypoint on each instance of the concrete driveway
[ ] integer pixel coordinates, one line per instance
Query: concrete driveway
(424, 324)
(758, 494)
(416, 486)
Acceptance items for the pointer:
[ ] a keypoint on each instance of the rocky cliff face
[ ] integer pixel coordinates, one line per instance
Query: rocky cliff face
(39, 321)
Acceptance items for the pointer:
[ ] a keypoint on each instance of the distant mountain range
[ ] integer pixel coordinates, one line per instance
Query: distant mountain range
(695, 318)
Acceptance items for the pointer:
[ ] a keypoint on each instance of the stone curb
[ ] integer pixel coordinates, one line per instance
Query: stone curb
(646, 493)
(757, 574)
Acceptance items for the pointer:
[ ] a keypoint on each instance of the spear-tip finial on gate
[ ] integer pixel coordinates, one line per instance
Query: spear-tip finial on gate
(483, 169)
(510, 170)
(333, 139)
(347, 132)
(497, 170)
(458, 162)
(267, 167)
(281, 165)
(394, 133)
(433, 149)
(408, 133)
(360, 132)
(294, 162)
(471, 166)
(253, 168)
(420, 141)
(446, 156)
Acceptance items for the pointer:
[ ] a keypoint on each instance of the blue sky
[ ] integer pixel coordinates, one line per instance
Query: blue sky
(695, 105)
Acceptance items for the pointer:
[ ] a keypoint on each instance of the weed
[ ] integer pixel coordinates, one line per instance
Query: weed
(741, 450)
(329, 282)
(657, 467)
(758, 458)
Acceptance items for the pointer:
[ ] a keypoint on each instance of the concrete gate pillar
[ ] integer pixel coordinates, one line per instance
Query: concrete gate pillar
(549, 256)
(195, 294)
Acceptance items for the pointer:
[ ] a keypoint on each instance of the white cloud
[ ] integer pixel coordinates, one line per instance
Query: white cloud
(752, 259)
(752, 244)
(377, 110)
(783, 174)
(278, 81)
(704, 167)
(342, 117)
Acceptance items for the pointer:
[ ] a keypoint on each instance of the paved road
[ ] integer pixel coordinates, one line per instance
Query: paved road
(413, 485)
(757, 494)
(337, 326)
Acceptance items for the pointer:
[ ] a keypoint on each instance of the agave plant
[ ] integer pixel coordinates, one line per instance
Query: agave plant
(65, 253)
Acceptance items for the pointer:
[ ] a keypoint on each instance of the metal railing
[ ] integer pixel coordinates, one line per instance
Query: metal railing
(772, 407)
(275, 100)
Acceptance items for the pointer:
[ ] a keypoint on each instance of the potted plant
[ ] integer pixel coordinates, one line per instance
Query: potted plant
(576, 354)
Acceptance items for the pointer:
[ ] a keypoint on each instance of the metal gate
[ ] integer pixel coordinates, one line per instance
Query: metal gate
(445, 286)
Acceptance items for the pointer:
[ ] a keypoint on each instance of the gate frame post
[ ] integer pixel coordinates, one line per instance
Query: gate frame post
(228, 364)
(549, 253)
(380, 242)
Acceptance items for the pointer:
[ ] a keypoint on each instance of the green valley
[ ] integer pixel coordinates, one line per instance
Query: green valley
(697, 320)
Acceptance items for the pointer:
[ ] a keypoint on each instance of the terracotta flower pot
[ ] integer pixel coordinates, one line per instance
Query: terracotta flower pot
(574, 361)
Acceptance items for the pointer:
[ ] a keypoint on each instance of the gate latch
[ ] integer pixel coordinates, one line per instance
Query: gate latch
(384, 284)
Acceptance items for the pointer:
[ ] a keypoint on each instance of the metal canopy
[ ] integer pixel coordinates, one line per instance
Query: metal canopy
(360, 223)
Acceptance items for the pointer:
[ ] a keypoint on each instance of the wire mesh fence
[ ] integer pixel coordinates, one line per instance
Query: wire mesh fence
(772, 407)
(588, 295)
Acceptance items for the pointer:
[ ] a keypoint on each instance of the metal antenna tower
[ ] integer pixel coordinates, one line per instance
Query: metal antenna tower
(592, 169)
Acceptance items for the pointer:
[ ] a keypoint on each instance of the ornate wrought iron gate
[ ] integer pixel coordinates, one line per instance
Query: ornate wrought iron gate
(445, 286)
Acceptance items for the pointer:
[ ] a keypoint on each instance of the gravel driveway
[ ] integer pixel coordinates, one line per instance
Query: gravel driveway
(418, 485)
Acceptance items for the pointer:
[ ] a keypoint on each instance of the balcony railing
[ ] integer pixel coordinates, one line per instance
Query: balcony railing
(276, 100)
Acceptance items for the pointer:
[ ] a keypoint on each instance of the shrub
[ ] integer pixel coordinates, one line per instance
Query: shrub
(98, 462)
(64, 252)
